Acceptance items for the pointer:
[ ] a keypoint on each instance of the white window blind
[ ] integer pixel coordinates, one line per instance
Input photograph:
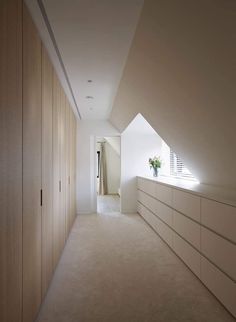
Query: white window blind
(177, 168)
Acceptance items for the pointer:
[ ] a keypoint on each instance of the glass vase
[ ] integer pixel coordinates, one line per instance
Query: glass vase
(155, 172)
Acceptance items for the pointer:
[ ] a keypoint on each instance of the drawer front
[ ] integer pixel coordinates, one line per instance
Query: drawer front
(187, 203)
(147, 201)
(164, 194)
(188, 254)
(219, 284)
(139, 208)
(219, 217)
(141, 183)
(165, 213)
(145, 213)
(139, 195)
(219, 251)
(187, 228)
(163, 230)
(147, 186)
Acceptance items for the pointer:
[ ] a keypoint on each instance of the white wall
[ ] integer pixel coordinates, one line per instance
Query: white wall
(180, 74)
(114, 141)
(113, 169)
(87, 131)
(139, 142)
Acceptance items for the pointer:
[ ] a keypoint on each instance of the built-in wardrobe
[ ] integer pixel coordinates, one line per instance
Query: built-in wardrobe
(37, 166)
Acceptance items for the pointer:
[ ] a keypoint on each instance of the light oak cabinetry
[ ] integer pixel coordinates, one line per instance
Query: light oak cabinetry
(37, 166)
(47, 171)
(200, 230)
(67, 167)
(72, 166)
(62, 155)
(56, 171)
(11, 161)
(32, 168)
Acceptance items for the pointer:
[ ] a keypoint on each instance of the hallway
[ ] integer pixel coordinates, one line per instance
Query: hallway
(115, 268)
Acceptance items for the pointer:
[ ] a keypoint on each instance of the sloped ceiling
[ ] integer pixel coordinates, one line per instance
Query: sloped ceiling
(181, 75)
(92, 40)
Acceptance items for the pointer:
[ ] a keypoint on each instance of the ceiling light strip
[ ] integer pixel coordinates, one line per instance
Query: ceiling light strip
(49, 28)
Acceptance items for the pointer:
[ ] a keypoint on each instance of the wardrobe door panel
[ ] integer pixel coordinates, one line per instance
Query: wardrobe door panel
(62, 142)
(68, 212)
(47, 172)
(56, 171)
(72, 166)
(31, 168)
(11, 161)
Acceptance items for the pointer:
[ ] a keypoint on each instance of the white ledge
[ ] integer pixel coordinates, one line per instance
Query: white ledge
(220, 194)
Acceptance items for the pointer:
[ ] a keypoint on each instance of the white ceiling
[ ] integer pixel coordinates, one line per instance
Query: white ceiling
(93, 38)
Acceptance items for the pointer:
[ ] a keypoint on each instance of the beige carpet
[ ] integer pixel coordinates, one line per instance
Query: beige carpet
(108, 203)
(116, 269)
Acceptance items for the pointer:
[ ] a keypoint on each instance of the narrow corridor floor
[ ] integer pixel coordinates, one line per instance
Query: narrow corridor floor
(116, 269)
(108, 204)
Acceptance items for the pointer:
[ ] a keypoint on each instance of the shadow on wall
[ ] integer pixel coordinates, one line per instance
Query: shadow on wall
(180, 75)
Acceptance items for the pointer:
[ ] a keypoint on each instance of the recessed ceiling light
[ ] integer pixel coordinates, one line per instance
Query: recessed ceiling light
(89, 97)
(89, 80)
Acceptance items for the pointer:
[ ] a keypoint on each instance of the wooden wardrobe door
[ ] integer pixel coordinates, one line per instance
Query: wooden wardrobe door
(47, 172)
(11, 160)
(68, 212)
(56, 171)
(32, 118)
(62, 136)
(72, 165)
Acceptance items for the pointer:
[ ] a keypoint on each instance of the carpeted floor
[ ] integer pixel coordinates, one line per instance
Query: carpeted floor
(116, 269)
(108, 204)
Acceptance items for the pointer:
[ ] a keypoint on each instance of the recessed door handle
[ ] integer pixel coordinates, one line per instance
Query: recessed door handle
(41, 197)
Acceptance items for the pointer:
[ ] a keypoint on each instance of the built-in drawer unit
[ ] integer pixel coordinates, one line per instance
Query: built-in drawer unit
(164, 194)
(165, 213)
(219, 284)
(148, 186)
(187, 228)
(187, 203)
(201, 231)
(219, 217)
(187, 253)
(148, 201)
(163, 230)
(147, 215)
(139, 207)
(220, 251)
